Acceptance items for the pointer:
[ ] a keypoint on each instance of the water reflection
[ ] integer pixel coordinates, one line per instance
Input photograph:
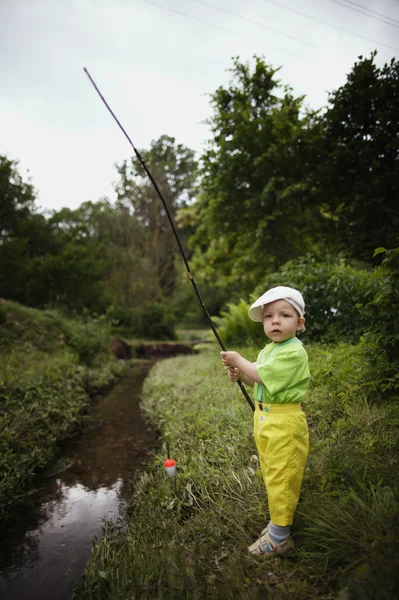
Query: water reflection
(47, 548)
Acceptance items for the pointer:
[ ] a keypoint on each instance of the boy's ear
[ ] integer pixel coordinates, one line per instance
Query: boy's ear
(301, 323)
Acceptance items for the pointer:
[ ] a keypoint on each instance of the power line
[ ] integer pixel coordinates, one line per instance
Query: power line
(332, 25)
(371, 11)
(229, 12)
(172, 10)
(362, 12)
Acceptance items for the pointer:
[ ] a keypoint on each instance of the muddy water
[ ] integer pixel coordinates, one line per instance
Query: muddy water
(47, 549)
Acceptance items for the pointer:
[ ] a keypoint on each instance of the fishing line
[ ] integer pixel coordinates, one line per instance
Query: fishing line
(190, 276)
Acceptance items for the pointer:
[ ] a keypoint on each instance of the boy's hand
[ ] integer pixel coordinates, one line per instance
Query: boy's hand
(233, 373)
(240, 368)
(229, 359)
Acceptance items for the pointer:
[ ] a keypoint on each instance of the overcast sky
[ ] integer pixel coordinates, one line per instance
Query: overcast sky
(156, 63)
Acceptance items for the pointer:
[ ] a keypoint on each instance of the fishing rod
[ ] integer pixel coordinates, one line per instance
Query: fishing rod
(154, 183)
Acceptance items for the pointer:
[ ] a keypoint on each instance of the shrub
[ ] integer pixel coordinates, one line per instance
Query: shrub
(381, 342)
(88, 338)
(153, 321)
(332, 290)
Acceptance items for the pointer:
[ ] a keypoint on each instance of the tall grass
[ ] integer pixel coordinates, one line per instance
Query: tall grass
(187, 537)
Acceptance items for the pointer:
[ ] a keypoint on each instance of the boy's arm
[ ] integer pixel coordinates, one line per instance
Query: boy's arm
(247, 380)
(248, 369)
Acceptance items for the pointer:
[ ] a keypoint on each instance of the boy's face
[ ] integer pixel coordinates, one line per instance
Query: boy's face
(281, 321)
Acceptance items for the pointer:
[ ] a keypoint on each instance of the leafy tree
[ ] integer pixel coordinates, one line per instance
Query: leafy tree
(113, 238)
(24, 233)
(97, 256)
(174, 168)
(31, 239)
(16, 196)
(47, 261)
(357, 174)
(71, 278)
(255, 211)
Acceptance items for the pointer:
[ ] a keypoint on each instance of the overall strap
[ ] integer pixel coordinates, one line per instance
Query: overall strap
(293, 340)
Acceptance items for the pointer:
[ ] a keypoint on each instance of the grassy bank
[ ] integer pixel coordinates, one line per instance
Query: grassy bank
(50, 368)
(187, 537)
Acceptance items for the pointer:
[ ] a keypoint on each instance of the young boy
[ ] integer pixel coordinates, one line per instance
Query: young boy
(280, 377)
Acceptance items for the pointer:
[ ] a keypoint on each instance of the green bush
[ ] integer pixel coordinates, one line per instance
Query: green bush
(381, 342)
(154, 321)
(119, 317)
(88, 338)
(333, 291)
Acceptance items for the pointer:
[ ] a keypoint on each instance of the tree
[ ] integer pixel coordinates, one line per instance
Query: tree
(255, 211)
(16, 196)
(54, 260)
(174, 168)
(357, 172)
(24, 233)
(116, 239)
(98, 255)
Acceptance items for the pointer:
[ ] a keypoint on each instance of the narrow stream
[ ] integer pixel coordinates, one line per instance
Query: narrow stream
(46, 552)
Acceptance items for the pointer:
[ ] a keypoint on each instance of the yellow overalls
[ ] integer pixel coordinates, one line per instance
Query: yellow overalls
(280, 427)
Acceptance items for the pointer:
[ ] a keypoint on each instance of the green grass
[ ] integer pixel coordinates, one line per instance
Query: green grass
(50, 368)
(187, 536)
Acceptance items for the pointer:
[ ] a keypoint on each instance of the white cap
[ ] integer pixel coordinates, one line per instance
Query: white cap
(281, 292)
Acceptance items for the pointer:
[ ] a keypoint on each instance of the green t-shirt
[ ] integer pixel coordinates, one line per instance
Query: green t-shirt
(284, 371)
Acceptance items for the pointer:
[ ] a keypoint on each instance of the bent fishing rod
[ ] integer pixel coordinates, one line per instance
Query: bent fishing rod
(154, 183)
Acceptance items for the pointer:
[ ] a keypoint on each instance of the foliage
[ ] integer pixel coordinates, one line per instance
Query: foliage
(381, 341)
(89, 338)
(16, 196)
(198, 525)
(356, 176)
(39, 407)
(174, 169)
(153, 321)
(332, 290)
(45, 390)
(45, 264)
(255, 196)
(280, 181)
(115, 240)
(28, 244)
(235, 327)
(98, 255)
(72, 278)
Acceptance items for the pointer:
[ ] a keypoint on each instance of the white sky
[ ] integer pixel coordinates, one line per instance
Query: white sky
(156, 68)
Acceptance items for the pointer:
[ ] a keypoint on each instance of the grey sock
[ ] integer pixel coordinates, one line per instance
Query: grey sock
(277, 533)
